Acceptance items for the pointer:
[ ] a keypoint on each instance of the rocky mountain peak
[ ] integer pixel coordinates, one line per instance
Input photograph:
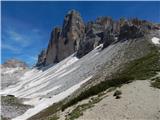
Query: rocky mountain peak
(13, 63)
(73, 26)
(76, 36)
(63, 41)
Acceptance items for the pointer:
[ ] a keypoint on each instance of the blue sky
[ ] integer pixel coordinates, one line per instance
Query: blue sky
(26, 26)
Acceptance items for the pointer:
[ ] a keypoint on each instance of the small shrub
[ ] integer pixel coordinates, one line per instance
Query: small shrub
(118, 97)
(77, 112)
(156, 82)
(53, 117)
(117, 93)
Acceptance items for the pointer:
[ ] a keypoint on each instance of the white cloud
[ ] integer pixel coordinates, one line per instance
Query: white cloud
(22, 39)
(10, 47)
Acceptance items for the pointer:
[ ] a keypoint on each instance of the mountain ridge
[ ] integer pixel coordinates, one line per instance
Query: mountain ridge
(76, 36)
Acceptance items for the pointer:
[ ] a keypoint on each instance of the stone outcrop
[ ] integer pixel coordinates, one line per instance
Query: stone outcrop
(96, 35)
(64, 42)
(41, 58)
(75, 36)
(72, 32)
(53, 47)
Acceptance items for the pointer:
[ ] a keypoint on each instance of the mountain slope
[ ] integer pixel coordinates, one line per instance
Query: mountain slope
(44, 87)
(138, 100)
(101, 54)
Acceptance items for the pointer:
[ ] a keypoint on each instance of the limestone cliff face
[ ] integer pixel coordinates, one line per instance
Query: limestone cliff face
(53, 47)
(41, 58)
(64, 42)
(72, 32)
(75, 36)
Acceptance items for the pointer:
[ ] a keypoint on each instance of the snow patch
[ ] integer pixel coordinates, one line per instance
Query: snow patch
(99, 47)
(156, 40)
(11, 70)
(46, 102)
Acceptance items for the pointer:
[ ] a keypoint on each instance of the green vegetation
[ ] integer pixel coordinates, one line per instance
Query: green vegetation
(12, 100)
(111, 89)
(139, 69)
(144, 67)
(156, 82)
(9, 99)
(3, 118)
(53, 117)
(45, 114)
(78, 111)
(117, 82)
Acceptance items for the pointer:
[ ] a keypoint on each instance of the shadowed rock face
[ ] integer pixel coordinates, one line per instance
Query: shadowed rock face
(52, 50)
(65, 41)
(95, 35)
(72, 32)
(41, 58)
(75, 36)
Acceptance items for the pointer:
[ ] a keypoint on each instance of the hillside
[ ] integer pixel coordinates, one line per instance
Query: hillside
(84, 60)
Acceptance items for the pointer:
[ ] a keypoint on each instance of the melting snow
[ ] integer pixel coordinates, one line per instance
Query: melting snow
(42, 88)
(156, 40)
(11, 70)
(46, 102)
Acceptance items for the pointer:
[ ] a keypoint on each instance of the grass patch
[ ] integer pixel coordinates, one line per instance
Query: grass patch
(139, 69)
(3, 118)
(53, 117)
(9, 99)
(156, 82)
(111, 89)
(97, 89)
(45, 114)
(78, 111)
(13, 101)
(144, 67)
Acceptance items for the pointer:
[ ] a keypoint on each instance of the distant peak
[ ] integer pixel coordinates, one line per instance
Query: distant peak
(12, 63)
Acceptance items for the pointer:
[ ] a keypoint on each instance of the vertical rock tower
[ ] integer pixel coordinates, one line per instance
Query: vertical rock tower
(65, 41)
